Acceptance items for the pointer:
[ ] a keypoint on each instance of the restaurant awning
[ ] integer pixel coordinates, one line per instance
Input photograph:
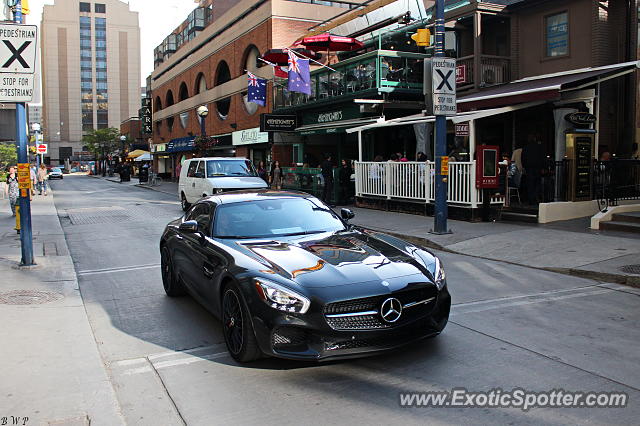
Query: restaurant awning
(543, 87)
(335, 126)
(144, 157)
(137, 153)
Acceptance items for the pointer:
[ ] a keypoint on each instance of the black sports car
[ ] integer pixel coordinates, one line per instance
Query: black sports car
(291, 279)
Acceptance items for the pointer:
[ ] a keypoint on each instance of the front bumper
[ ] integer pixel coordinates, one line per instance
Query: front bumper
(296, 337)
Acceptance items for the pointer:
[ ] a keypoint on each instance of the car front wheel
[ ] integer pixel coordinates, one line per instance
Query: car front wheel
(172, 285)
(237, 328)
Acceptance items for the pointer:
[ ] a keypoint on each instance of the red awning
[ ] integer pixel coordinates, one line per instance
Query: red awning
(330, 42)
(541, 88)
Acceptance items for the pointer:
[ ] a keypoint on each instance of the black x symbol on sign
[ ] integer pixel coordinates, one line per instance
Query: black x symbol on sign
(445, 79)
(16, 54)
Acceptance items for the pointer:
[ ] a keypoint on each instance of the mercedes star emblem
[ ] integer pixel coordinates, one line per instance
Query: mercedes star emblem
(391, 310)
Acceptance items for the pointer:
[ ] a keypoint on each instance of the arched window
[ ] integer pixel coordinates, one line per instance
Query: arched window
(169, 98)
(250, 60)
(158, 103)
(170, 121)
(201, 84)
(183, 93)
(223, 106)
(223, 74)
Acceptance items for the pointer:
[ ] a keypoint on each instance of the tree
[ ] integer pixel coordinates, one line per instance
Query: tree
(8, 154)
(102, 141)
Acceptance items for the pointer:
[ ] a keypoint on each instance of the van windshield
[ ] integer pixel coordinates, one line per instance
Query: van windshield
(240, 167)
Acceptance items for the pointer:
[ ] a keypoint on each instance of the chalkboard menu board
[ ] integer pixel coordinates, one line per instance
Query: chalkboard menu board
(584, 163)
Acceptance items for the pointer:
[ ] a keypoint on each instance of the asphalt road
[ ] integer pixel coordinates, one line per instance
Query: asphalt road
(511, 327)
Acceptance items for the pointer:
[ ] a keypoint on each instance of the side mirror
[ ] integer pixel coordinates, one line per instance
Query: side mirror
(189, 226)
(347, 214)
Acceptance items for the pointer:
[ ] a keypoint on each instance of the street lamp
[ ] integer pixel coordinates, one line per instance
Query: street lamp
(202, 112)
(123, 140)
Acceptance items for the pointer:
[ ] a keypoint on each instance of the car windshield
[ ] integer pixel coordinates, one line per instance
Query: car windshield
(240, 167)
(56, 169)
(274, 218)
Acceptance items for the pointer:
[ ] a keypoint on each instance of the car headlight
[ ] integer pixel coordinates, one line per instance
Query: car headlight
(439, 274)
(281, 298)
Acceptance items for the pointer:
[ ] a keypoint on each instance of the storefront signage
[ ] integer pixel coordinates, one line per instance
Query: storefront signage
(580, 118)
(249, 137)
(159, 147)
(350, 112)
(329, 116)
(444, 86)
(181, 144)
(278, 123)
(145, 116)
(461, 74)
(487, 170)
(462, 129)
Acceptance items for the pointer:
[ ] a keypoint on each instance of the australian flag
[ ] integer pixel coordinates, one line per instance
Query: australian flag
(299, 76)
(257, 92)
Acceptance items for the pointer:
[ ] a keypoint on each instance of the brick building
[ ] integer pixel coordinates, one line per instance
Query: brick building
(204, 62)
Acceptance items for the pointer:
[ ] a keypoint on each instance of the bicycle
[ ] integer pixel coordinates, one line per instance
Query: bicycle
(154, 180)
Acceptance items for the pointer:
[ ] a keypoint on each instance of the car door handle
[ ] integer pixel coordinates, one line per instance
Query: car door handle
(207, 271)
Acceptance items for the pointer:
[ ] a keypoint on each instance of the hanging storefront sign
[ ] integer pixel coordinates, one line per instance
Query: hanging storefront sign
(181, 144)
(278, 123)
(145, 116)
(249, 137)
(462, 129)
(580, 118)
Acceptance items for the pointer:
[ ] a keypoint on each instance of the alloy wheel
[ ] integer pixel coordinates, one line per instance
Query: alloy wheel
(167, 270)
(232, 321)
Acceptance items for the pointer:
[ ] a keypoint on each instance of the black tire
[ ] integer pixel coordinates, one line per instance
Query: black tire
(237, 327)
(172, 285)
(183, 201)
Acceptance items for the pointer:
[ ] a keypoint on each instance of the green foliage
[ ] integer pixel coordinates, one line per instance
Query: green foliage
(8, 155)
(102, 141)
(3, 176)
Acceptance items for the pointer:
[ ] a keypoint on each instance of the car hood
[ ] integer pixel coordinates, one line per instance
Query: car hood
(333, 259)
(237, 182)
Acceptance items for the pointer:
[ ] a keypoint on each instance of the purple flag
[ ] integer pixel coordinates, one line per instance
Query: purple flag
(299, 76)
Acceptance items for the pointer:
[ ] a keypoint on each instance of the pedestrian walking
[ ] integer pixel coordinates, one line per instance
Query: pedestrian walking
(327, 175)
(262, 172)
(12, 189)
(42, 179)
(344, 180)
(276, 176)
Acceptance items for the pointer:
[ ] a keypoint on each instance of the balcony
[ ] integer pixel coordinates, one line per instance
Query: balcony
(493, 70)
(374, 72)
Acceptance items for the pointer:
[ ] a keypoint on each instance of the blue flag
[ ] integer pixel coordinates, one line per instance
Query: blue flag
(257, 90)
(299, 76)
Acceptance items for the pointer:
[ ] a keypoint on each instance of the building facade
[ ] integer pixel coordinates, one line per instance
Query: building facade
(205, 62)
(91, 71)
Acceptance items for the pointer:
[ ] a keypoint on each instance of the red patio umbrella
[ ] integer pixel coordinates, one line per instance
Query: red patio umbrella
(281, 57)
(330, 42)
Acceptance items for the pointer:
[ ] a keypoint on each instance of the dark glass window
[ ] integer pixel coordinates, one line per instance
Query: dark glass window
(100, 8)
(557, 34)
(85, 7)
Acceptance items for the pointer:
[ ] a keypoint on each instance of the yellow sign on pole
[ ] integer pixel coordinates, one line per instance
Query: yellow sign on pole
(444, 165)
(24, 176)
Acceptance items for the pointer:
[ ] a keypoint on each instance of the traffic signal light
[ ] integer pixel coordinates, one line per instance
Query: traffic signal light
(422, 37)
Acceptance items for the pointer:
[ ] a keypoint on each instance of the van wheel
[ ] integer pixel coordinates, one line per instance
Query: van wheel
(185, 204)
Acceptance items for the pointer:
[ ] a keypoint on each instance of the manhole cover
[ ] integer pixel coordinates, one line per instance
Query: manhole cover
(28, 297)
(631, 269)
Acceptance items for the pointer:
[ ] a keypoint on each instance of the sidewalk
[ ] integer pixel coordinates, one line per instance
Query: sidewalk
(52, 372)
(569, 247)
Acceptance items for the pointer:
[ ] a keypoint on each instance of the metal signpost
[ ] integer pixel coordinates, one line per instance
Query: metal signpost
(444, 103)
(17, 66)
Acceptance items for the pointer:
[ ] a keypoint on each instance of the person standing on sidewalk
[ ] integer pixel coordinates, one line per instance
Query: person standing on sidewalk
(276, 176)
(344, 179)
(42, 179)
(327, 175)
(12, 190)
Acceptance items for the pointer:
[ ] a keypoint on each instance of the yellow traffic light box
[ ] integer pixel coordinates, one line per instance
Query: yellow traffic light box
(422, 37)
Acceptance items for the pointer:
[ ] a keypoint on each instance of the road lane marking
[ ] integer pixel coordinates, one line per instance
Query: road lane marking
(499, 304)
(118, 269)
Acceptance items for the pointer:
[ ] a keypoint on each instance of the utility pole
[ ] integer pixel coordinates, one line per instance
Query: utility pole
(440, 213)
(26, 235)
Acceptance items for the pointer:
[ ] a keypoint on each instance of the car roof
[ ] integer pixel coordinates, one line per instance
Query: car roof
(254, 195)
(217, 158)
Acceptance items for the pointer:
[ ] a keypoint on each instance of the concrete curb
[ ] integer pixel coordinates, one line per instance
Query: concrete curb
(631, 281)
(150, 188)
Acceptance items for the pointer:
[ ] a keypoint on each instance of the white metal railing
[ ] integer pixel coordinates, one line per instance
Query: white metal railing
(415, 181)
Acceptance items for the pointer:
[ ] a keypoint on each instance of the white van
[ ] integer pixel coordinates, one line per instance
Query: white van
(201, 177)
